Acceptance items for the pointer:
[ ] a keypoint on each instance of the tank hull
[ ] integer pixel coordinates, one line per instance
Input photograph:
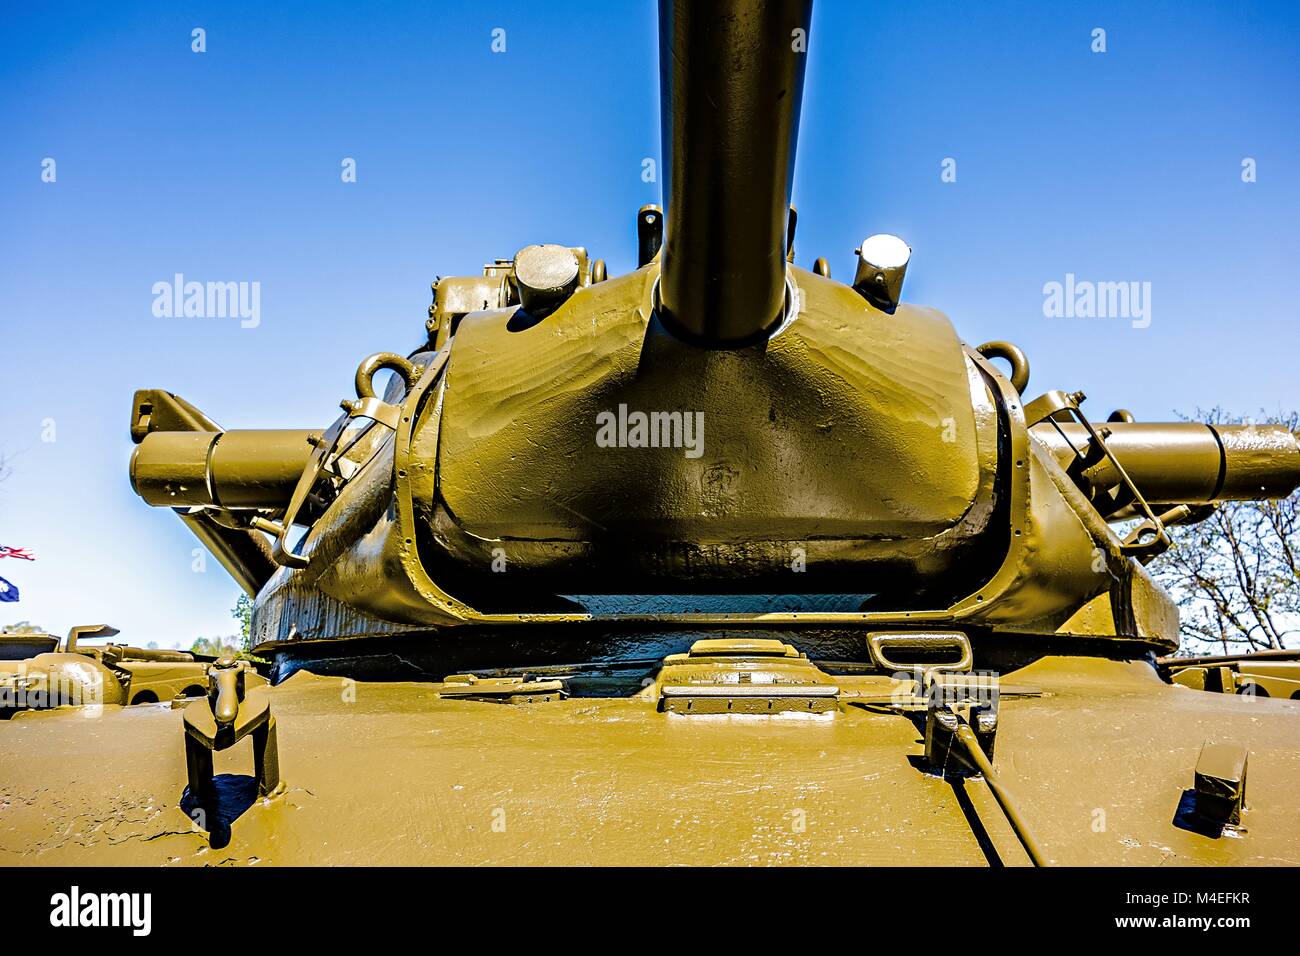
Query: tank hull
(392, 773)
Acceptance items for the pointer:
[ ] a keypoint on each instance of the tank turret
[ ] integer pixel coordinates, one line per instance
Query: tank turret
(677, 445)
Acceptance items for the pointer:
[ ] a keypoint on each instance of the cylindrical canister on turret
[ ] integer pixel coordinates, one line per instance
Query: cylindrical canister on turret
(1186, 462)
(242, 468)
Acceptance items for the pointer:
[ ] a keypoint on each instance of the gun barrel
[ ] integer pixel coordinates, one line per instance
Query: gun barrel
(1187, 462)
(731, 78)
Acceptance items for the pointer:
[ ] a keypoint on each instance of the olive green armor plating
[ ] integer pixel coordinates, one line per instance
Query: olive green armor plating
(761, 492)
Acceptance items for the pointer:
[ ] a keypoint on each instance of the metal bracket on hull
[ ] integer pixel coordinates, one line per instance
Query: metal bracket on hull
(963, 735)
(1150, 537)
(744, 676)
(326, 452)
(222, 719)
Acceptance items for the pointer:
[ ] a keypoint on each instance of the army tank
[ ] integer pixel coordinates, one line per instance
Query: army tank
(1274, 673)
(719, 561)
(19, 645)
(72, 674)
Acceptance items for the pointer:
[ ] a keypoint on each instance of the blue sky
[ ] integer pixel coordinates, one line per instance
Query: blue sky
(225, 166)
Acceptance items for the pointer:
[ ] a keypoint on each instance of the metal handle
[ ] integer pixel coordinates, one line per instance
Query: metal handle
(371, 365)
(878, 643)
(1013, 354)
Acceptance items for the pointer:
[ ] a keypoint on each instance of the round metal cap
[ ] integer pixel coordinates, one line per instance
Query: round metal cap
(885, 251)
(546, 275)
(882, 264)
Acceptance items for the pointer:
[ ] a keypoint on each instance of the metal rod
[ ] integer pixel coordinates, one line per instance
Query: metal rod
(967, 736)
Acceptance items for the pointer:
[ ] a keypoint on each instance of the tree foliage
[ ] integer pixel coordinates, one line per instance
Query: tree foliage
(243, 613)
(216, 646)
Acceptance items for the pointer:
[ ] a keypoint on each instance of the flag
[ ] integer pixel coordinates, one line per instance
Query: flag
(8, 552)
(8, 592)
